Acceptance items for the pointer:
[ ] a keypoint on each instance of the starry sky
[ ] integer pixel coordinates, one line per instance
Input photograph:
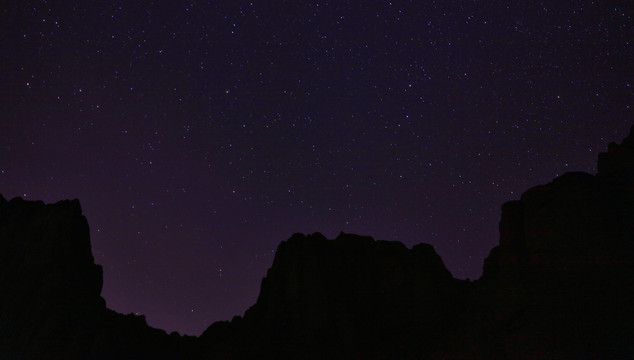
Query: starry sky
(199, 135)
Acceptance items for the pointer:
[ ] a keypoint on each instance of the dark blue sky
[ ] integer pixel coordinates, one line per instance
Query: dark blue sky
(198, 135)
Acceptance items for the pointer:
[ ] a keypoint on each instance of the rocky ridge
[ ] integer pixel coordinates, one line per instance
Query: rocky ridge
(559, 285)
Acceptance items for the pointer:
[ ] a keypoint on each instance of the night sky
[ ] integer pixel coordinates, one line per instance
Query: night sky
(199, 135)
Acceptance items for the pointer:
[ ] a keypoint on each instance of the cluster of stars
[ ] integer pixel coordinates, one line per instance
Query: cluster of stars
(199, 135)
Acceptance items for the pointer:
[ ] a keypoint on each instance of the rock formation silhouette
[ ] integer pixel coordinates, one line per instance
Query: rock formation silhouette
(558, 286)
(50, 303)
(351, 297)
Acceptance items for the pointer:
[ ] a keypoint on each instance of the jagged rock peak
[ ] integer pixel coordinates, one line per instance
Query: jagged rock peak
(618, 163)
(50, 303)
(72, 207)
(310, 272)
(352, 246)
(52, 238)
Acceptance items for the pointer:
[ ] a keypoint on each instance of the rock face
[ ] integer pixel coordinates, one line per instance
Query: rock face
(45, 263)
(50, 303)
(559, 285)
(350, 297)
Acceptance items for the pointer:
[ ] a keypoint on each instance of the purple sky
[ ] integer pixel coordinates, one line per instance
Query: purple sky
(199, 135)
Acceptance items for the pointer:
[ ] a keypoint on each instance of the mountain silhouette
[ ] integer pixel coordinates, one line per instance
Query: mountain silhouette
(558, 286)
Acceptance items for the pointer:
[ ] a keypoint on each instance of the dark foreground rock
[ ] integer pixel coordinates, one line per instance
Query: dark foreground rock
(50, 303)
(351, 297)
(559, 285)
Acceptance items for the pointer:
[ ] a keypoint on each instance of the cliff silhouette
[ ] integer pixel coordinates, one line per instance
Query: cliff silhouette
(558, 286)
